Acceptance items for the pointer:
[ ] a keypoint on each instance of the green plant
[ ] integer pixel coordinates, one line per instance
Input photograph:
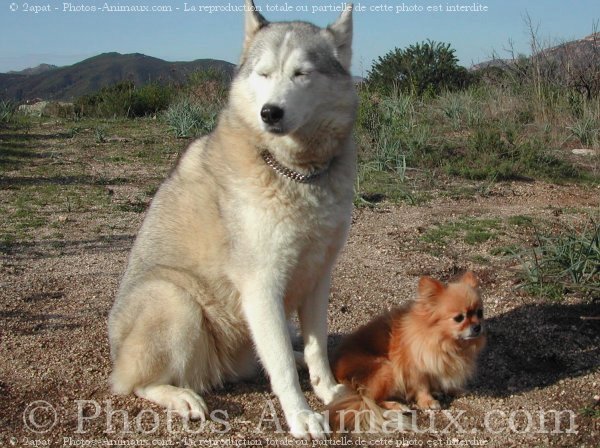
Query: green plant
(73, 131)
(471, 230)
(492, 153)
(208, 87)
(453, 107)
(590, 411)
(586, 129)
(150, 99)
(388, 154)
(520, 220)
(416, 139)
(187, 119)
(423, 68)
(511, 249)
(374, 186)
(124, 99)
(563, 263)
(7, 111)
(100, 134)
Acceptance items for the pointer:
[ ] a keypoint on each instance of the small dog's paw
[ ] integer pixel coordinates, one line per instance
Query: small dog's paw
(308, 425)
(394, 406)
(328, 394)
(429, 403)
(435, 405)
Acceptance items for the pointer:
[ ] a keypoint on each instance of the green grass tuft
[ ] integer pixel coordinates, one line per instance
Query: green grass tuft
(568, 262)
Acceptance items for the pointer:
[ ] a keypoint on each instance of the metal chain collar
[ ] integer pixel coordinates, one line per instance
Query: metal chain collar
(289, 173)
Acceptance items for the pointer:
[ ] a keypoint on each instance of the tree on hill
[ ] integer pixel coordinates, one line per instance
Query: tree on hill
(423, 68)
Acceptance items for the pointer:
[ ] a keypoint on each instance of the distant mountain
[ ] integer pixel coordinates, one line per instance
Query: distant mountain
(88, 76)
(42, 68)
(491, 63)
(578, 52)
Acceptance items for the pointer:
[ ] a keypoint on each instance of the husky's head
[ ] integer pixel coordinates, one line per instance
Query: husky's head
(294, 77)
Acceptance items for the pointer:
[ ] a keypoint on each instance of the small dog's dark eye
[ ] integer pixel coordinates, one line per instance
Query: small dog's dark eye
(480, 314)
(299, 73)
(459, 318)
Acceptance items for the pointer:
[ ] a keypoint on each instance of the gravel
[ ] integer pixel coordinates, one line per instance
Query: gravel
(542, 356)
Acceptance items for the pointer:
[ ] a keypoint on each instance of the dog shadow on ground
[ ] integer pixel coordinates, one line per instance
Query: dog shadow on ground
(530, 347)
(535, 346)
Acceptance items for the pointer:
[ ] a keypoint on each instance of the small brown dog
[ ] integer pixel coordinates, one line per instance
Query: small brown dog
(430, 345)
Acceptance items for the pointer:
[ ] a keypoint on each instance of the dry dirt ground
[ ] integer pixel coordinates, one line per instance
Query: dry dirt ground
(71, 203)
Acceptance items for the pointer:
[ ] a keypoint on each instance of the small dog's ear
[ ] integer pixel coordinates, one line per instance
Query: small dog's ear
(254, 22)
(341, 30)
(430, 287)
(470, 279)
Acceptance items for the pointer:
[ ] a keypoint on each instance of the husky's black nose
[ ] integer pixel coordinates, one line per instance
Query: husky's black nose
(271, 114)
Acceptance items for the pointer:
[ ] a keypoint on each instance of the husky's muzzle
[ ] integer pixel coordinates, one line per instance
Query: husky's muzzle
(272, 115)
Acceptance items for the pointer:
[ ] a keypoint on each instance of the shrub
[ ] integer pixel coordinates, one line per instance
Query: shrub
(111, 101)
(424, 68)
(208, 86)
(186, 118)
(586, 129)
(565, 262)
(7, 111)
(151, 99)
(123, 99)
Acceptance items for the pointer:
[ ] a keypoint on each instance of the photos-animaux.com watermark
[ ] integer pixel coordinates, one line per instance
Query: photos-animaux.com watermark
(40, 417)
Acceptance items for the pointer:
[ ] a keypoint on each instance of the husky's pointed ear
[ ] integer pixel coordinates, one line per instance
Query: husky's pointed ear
(341, 30)
(430, 288)
(470, 279)
(254, 22)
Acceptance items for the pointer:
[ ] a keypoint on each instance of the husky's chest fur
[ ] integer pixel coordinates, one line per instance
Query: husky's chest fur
(298, 228)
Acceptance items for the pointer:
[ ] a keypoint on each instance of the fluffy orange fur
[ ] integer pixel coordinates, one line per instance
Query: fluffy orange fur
(409, 353)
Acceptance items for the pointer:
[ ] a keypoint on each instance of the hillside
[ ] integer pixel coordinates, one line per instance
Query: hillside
(67, 83)
(42, 68)
(578, 52)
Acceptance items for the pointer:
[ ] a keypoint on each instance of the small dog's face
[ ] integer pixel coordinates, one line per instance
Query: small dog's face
(466, 320)
(457, 308)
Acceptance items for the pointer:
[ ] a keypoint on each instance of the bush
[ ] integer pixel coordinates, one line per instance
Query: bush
(123, 99)
(587, 130)
(425, 68)
(7, 111)
(208, 86)
(491, 154)
(111, 101)
(564, 263)
(151, 99)
(195, 110)
(186, 118)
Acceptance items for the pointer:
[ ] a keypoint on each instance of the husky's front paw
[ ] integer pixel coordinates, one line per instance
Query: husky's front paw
(185, 402)
(328, 394)
(308, 425)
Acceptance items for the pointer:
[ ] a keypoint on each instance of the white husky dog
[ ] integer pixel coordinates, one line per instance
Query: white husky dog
(246, 231)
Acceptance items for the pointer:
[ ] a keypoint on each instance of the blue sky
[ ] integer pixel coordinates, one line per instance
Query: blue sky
(60, 37)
